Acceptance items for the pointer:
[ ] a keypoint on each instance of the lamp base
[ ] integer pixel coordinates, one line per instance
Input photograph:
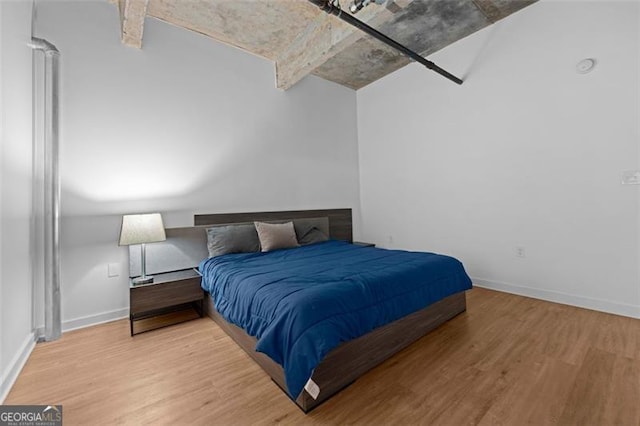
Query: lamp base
(143, 280)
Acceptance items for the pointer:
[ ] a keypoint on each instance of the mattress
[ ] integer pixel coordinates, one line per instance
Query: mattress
(301, 303)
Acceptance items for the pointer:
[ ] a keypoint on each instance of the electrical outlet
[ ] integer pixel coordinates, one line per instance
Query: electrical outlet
(520, 252)
(113, 270)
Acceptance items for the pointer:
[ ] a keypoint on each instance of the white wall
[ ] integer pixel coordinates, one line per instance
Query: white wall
(185, 125)
(16, 337)
(526, 153)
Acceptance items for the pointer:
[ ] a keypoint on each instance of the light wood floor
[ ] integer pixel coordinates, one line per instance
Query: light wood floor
(508, 360)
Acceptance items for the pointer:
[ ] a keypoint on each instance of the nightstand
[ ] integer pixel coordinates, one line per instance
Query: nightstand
(361, 244)
(171, 298)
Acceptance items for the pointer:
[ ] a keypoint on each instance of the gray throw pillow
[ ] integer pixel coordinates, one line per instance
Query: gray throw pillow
(276, 235)
(312, 235)
(232, 239)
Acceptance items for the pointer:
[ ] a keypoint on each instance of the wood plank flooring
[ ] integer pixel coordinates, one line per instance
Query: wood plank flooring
(508, 360)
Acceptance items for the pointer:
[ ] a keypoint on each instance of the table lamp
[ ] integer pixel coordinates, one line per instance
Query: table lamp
(142, 229)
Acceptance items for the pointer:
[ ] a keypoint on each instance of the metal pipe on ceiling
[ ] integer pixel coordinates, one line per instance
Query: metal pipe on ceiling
(329, 7)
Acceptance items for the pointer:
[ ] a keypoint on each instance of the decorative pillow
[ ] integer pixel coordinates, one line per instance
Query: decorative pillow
(276, 235)
(232, 239)
(312, 235)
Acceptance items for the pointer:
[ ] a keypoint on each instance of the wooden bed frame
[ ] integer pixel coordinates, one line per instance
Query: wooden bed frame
(352, 359)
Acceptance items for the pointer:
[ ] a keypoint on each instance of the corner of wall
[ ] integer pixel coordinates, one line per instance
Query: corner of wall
(16, 332)
(1, 144)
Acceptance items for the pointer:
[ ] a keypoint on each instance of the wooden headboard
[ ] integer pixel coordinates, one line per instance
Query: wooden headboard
(340, 220)
(186, 247)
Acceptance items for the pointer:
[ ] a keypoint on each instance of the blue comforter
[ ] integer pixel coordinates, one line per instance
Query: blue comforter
(301, 303)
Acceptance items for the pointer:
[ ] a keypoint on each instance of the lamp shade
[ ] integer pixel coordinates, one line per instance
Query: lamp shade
(141, 228)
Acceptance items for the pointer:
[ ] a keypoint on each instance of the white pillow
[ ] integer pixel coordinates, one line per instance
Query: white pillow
(276, 235)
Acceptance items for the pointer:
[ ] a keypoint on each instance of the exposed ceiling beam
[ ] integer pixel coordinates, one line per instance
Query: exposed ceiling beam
(324, 38)
(132, 13)
(490, 10)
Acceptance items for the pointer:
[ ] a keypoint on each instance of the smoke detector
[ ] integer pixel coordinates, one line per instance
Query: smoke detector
(585, 66)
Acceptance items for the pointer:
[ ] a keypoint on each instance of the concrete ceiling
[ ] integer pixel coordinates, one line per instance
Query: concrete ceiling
(301, 39)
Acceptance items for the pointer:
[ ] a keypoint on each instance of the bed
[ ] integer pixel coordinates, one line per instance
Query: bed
(352, 344)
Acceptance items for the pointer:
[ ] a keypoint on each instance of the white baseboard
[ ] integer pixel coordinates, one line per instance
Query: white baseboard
(617, 308)
(89, 320)
(14, 368)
